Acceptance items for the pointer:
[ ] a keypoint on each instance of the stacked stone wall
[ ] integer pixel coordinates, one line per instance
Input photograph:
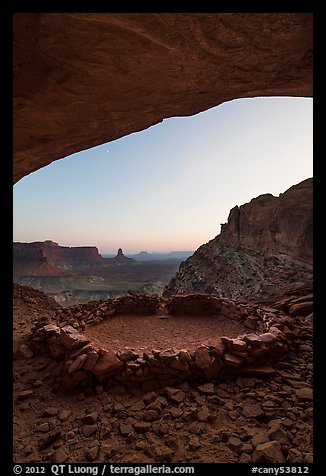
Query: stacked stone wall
(82, 363)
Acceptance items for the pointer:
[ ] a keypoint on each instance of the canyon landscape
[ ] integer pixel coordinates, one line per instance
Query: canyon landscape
(265, 247)
(74, 275)
(196, 358)
(218, 369)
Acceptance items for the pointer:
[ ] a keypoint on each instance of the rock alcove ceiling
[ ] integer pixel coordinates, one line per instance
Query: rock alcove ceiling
(77, 85)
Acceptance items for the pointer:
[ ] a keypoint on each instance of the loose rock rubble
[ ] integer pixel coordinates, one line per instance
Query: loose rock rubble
(240, 418)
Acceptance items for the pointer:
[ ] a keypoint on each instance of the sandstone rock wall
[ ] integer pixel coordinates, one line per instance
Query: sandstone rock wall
(29, 252)
(281, 223)
(65, 255)
(30, 259)
(82, 79)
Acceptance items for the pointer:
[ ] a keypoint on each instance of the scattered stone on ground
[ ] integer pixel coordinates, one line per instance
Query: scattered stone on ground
(245, 418)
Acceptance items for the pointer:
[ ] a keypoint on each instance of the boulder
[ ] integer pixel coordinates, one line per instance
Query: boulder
(178, 364)
(234, 444)
(107, 362)
(269, 452)
(168, 354)
(90, 419)
(77, 363)
(251, 410)
(92, 453)
(301, 309)
(89, 430)
(60, 456)
(206, 389)
(91, 360)
(51, 330)
(214, 369)
(184, 356)
(278, 433)
(142, 427)
(239, 345)
(71, 339)
(202, 358)
(127, 354)
(203, 414)
(304, 394)
(257, 369)
(24, 352)
(232, 360)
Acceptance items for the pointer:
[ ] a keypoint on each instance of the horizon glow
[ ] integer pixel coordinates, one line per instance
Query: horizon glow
(169, 187)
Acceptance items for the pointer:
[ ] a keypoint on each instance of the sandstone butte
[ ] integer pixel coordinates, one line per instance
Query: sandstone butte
(77, 85)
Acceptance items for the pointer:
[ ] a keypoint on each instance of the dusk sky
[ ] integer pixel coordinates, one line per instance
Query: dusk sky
(168, 187)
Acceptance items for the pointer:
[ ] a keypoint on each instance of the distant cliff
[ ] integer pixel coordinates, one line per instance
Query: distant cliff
(266, 245)
(65, 255)
(80, 274)
(45, 258)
